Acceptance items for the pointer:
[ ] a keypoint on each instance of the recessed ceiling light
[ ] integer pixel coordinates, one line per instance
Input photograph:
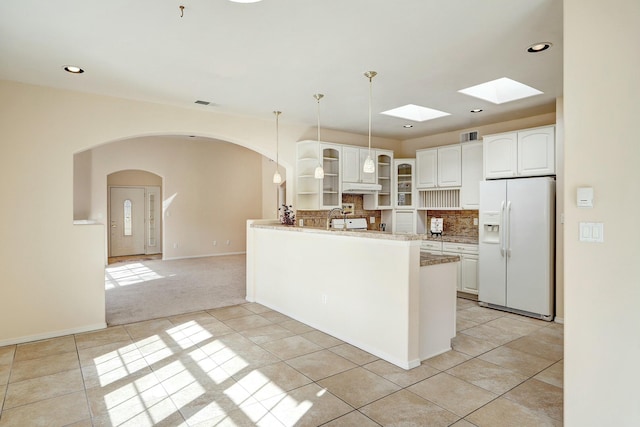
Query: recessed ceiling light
(73, 69)
(477, 110)
(407, 126)
(500, 91)
(415, 113)
(539, 47)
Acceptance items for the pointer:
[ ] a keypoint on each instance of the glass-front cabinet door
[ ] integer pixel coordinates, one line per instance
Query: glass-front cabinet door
(404, 183)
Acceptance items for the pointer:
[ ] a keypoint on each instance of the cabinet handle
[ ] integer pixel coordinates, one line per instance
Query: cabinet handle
(502, 230)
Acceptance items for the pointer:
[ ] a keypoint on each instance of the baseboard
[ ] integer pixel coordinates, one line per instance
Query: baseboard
(467, 295)
(54, 334)
(559, 320)
(203, 256)
(438, 353)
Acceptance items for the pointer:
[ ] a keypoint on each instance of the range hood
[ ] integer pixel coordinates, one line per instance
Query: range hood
(360, 188)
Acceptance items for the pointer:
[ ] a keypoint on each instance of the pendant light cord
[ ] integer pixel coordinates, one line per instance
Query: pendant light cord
(319, 172)
(318, 97)
(277, 113)
(370, 92)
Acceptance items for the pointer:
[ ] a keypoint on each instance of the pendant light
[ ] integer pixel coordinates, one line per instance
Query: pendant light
(277, 179)
(369, 166)
(319, 173)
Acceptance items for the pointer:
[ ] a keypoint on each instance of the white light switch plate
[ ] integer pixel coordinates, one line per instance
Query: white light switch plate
(592, 232)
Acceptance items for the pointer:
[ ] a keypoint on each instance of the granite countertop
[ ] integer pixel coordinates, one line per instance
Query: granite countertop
(371, 234)
(451, 239)
(427, 259)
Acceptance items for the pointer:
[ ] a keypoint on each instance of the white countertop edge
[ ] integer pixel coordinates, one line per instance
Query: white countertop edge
(273, 225)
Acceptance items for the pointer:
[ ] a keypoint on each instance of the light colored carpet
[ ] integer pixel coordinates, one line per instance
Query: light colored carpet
(149, 289)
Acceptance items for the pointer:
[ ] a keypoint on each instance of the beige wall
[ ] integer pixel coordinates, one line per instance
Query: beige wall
(134, 177)
(210, 188)
(53, 271)
(560, 182)
(270, 193)
(602, 280)
(82, 185)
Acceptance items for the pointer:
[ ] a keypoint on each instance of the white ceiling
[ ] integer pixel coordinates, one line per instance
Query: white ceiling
(251, 59)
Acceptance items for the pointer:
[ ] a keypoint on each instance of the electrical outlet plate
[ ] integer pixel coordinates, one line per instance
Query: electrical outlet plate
(348, 208)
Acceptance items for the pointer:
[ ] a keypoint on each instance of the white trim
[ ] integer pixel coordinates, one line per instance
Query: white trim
(54, 334)
(203, 256)
(559, 320)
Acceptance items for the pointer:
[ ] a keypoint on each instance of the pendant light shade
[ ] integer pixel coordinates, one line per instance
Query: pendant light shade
(369, 166)
(277, 178)
(319, 172)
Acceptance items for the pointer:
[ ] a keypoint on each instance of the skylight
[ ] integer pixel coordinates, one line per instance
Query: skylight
(500, 91)
(415, 113)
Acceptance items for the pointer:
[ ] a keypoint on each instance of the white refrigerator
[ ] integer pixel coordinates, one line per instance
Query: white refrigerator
(517, 246)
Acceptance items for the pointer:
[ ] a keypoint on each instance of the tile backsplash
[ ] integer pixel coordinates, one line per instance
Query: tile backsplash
(455, 222)
(318, 219)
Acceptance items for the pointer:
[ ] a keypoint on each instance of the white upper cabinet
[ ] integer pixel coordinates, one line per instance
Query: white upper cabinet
(500, 155)
(471, 175)
(450, 166)
(350, 164)
(427, 168)
(536, 152)
(529, 152)
(353, 159)
(439, 167)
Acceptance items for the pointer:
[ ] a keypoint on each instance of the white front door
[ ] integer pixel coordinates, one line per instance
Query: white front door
(127, 221)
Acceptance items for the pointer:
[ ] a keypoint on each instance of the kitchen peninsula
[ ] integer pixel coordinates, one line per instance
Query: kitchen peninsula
(373, 290)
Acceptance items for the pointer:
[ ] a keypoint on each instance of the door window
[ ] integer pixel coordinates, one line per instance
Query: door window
(127, 218)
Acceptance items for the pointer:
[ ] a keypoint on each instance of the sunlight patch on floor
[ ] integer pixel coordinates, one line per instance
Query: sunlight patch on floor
(128, 274)
(188, 379)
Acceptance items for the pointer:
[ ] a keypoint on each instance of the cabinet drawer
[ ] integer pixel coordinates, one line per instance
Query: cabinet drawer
(462, 248)
(431, 246)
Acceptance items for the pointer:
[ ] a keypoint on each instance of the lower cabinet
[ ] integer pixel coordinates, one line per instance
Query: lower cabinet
(468, 266)
(469, 274)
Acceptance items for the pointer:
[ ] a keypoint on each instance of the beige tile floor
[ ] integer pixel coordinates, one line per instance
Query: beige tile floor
(248, 365)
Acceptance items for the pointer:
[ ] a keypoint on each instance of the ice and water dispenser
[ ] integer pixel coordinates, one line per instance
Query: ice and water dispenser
(490, 227)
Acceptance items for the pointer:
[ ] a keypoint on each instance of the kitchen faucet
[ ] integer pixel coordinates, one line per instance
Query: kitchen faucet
(331, 212)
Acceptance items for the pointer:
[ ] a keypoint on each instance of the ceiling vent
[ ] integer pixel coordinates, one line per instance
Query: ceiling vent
(469, 136)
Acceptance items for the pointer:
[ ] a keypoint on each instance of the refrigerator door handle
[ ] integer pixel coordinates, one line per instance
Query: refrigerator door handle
(508, 237)
(502, 229)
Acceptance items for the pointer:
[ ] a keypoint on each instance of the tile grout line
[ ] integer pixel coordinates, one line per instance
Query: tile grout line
(6, 386)
(322, 348)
